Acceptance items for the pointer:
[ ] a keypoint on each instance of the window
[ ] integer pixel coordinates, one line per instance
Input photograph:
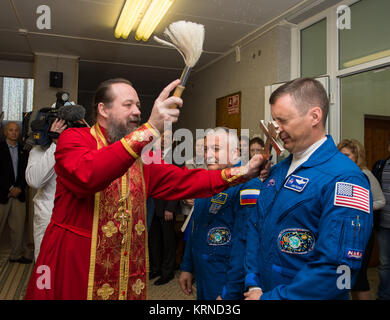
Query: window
(365, 93)
(16, 97)
(313, 50)
(368, 39)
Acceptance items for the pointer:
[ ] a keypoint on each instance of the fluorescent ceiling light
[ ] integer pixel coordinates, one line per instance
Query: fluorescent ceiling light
(152, 18)
(151, 10)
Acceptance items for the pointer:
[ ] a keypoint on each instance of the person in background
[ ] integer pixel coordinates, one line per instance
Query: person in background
(244, 149)
(41, 176)
(194, 163)
(162, 237)
(354, 150)
(13, 161)
(256, 145)
(162, 241)
(381, 170)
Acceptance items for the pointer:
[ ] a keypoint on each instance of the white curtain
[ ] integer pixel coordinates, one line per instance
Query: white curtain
(16, 97)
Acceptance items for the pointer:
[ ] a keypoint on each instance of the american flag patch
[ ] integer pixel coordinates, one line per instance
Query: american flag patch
(352, 196)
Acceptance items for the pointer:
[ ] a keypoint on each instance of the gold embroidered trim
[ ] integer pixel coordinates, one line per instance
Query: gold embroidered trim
(138, 286)
(105, 291)
(95, 225)
(128, 148)
(139, 227)
(109, 229)
(229, 173)
(155, 132)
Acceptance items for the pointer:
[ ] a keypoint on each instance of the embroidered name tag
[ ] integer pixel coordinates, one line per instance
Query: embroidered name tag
(296, 183)
(249, 196)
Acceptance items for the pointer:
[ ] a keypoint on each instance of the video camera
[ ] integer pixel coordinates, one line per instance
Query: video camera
(73, 115)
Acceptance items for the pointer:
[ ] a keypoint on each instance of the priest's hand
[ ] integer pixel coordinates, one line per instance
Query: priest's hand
(254, 167)
(162, 111)
(264, 173)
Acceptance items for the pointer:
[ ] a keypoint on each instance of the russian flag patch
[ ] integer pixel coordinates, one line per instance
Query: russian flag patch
(249, 196)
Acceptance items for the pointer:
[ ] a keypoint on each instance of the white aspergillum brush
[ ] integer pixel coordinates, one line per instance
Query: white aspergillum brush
(187, 38)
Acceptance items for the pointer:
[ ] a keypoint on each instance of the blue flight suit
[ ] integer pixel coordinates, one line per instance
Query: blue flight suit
(215, 248)
(311, 228)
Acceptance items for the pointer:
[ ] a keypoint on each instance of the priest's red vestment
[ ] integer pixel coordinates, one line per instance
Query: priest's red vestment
(95, 246)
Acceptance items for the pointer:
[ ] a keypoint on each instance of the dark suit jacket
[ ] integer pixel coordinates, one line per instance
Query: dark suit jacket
(161, 205)
(8, 178)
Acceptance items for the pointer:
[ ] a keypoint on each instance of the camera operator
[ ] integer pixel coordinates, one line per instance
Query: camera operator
(40, 175)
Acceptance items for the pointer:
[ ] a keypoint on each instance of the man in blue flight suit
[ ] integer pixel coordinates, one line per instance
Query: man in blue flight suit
(217, 225)
(314, 212)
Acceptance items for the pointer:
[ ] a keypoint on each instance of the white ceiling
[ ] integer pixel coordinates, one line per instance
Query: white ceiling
(85, 28)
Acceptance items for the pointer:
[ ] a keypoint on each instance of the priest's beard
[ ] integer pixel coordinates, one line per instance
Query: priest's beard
(116, 129)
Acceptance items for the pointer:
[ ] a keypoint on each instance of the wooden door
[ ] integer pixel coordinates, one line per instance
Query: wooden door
(376, 141)
(376, 138)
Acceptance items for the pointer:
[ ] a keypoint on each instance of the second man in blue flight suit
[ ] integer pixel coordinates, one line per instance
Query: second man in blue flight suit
(215, 248)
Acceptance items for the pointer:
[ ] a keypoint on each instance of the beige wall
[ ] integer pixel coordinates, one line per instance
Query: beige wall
(263, 62)
(16, 69)
(44, 95)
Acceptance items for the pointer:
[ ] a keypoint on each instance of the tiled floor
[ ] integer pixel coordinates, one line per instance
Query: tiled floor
(373, 279)
(170, 291)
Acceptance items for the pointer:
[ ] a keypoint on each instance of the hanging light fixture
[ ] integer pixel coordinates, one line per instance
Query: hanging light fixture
(151, 10)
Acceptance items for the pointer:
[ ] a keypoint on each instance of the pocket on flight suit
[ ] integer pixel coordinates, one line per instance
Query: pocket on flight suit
(351, 244)
(284, 275)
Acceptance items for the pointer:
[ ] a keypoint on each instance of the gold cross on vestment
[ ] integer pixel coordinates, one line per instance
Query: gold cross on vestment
(271, 132)
(122, 216)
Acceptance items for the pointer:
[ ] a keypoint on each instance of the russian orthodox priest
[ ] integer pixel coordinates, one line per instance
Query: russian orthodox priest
(95, 246)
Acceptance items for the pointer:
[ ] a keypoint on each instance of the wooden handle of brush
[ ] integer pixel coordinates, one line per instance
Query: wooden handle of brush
(178, 92)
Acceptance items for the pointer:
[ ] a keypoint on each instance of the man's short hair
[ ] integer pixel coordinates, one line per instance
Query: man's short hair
(231, 133)
(9, 123)
(104, 93)
(306, 93)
